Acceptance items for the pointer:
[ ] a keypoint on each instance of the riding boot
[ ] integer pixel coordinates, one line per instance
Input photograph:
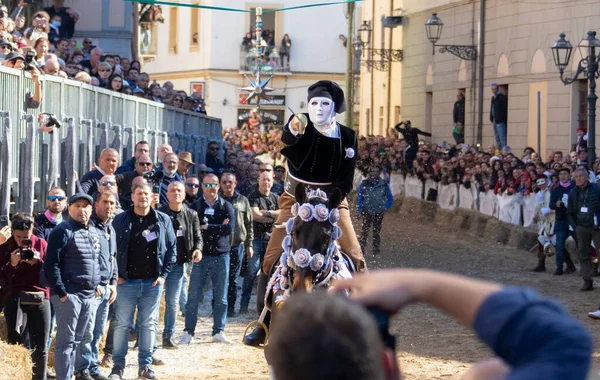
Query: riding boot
(541, 267)
(258, 336)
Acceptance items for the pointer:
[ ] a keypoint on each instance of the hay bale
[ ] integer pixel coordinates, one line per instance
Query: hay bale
(410, 207)
(497, 231)
(15, 362)
(444, 218)
(396, 206)
(462, 219)
(478, 225)
(428, 210)
(418, 210)
(522, 238)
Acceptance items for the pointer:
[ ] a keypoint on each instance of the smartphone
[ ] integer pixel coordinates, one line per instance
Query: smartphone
(4, 221)
(382, 318)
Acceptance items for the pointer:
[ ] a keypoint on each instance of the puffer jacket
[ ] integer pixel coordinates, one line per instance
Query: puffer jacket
(72, 263)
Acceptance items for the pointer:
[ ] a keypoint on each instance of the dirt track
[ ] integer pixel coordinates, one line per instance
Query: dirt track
(430, 345)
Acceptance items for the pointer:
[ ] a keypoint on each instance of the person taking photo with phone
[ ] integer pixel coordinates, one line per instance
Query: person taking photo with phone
(27, 302)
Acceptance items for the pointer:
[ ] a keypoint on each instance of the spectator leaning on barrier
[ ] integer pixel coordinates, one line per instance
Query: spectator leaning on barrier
(23, 292)
(107, 164)
(55, 206)
(534, 337)
(17, 61)
(186, 226)
(146, 253)
(374, 199)
(217, 221)
(86, 362)
(583, 211)
(70, 268)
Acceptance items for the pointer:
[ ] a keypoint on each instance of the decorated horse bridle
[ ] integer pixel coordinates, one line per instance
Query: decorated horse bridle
(302, 258)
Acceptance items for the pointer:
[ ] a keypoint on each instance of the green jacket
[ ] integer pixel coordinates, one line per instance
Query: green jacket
(244, 233)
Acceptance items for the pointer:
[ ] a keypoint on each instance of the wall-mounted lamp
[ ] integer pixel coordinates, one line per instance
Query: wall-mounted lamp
(302, 104)
(225, 102)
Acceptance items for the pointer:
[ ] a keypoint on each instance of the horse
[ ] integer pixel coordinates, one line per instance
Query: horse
(311, 258)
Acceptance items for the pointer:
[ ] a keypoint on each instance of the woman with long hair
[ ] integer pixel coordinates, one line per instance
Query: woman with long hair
(41, 49)
(40, 27)
(284, 50)
(115, 83)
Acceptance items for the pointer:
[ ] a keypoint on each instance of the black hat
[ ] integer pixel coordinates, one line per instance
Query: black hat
(78, 196)
(4, 42)
(328, 89)
(563, 169)
(12, 56)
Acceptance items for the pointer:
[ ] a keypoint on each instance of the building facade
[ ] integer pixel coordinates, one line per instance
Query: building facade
(518, 37)
(107, 22)
(200, 50)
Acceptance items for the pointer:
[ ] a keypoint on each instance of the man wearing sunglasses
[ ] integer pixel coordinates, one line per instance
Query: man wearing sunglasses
(143, 164)
(142, 147)
(217, 219)
(56, 202)
(109, 183)
(107, 165)
(192, 188)
(212, 158)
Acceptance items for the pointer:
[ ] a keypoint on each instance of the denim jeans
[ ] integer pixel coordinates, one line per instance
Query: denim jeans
(217, 267)
(183, 295)
(73, 319)
(172, 293)
(259, 245)
(561, 230)
(87, 352)
(500, 134)
(235, 264)
(142, 295)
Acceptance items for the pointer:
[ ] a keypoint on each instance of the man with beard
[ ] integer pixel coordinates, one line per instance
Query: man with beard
(55, 206)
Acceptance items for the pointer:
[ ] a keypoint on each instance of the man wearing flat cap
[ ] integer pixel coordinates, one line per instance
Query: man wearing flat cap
(321, 153)
(72, 271)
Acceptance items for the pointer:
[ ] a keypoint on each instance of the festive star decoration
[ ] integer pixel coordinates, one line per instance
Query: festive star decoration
(258, 88)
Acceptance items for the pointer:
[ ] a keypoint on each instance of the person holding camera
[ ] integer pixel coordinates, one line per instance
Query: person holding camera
(17, 61)
(265, 210)
(533, 337)
(26, 299)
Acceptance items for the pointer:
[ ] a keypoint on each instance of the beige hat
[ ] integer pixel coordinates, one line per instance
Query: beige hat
(187, 157)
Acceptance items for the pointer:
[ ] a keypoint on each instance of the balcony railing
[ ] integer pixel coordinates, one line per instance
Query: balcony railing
(269, 62)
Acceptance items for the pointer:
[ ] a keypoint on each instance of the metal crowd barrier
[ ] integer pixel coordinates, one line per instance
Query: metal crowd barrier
(92, 120)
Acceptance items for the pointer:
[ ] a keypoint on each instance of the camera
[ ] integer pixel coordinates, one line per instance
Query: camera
(153, 176)
(26, 252)
(29, 57)
(52, 120)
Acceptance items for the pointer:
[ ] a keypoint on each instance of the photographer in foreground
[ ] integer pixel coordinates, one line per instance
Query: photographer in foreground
(17, 61)
(533, 337)
(21, 259)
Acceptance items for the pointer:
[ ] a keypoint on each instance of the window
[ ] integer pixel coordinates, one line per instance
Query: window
(397, 115)
(195, 30)
(173, 22)
(380, 120)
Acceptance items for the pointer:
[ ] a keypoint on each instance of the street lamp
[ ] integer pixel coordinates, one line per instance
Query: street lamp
(588, 66)
(387, 55)
(433, 28)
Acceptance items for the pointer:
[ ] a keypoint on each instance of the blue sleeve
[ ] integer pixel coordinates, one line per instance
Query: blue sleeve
(361, 197)
(86, 183)
(390, 197)
(224, 229)
(536, 337)
(57, 241)
(171, 244)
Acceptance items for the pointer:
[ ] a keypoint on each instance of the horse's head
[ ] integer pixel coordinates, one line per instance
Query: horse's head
(312, 232)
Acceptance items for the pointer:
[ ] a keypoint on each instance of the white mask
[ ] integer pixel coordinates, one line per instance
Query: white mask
(321, 111)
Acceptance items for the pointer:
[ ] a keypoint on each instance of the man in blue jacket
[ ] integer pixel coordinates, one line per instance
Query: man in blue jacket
(86, 362)
(142, 147)
(374, 199)
(217, 221)
(169, 168)
(72, 270)
(146, 252)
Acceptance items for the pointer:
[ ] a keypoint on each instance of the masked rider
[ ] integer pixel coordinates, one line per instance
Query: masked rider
(321, 153)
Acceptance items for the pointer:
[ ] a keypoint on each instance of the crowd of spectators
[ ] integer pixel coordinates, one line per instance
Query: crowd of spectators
(503, 171)
(46, 43)
(270, 53)
(256, 138)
